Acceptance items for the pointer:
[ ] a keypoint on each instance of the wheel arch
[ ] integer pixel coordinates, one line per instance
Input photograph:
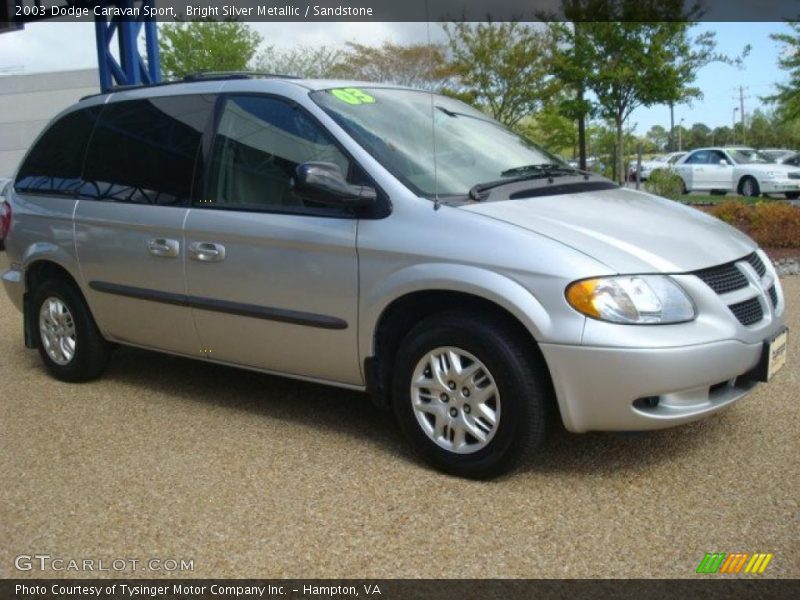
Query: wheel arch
(390, 318)
(743, 178)
(37, 270)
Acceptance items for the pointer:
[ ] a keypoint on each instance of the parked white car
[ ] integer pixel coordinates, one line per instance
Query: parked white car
(744, 170)
(659, 162)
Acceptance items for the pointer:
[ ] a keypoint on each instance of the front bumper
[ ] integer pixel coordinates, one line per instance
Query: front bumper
(775, 186)
(14, 285)
(604, 389)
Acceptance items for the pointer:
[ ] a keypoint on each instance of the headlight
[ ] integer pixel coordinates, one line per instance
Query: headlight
(631, 299)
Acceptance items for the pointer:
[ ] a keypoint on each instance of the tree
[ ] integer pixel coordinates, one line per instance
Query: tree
(698, 136)
(501, 67)
(312, 62)
(787, 97)
(721, 136)
(658, 136)
(552, 130)
(415, 65)
(202, 46)
(630, 53)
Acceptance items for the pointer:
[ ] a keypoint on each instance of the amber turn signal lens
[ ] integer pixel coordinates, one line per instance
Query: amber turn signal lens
(580, 296)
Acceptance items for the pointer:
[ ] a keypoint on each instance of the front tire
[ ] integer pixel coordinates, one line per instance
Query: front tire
(68, 340)
(472, 395)
(792, 195)
(749, 187)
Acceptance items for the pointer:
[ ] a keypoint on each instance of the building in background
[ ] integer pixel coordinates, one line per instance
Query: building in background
(28, 102)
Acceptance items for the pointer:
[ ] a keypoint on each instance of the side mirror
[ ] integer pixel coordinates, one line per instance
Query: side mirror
(723, 162)
(324, 182)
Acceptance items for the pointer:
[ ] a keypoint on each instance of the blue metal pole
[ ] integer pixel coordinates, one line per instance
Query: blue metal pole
(102, 39)
(128, 52)
(151, 42)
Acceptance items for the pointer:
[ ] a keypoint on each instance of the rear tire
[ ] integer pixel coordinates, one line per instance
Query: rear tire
(478, 431)
(67, 337)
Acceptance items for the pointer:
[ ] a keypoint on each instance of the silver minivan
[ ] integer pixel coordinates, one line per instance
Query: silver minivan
(388, 240)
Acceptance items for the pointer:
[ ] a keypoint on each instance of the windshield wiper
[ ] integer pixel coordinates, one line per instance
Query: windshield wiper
(546, 168)
(525, 173)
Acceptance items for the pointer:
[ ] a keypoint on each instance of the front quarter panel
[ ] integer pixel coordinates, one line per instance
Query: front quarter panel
(419, 249)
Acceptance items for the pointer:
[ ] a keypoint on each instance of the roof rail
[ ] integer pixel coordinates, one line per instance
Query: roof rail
(196, 77)
(217, 75)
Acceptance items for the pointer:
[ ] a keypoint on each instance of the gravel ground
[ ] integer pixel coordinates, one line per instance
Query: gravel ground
(257, 476)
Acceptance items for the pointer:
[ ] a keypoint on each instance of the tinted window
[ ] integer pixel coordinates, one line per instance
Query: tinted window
(54, 164)
(715, 156)
(699, 157)
(259, 143)
(144, 151)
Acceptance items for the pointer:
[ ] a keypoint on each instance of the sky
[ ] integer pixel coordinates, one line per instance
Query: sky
(48, 46)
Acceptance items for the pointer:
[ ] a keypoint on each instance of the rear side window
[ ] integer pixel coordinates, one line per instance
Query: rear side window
(145, 151)
(53, 166)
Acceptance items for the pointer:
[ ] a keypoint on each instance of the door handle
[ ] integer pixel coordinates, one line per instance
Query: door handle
(163, 247)
(206, 251)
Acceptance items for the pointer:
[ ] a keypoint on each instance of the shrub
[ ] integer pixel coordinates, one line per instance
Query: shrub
(770, 224)
(663, 182)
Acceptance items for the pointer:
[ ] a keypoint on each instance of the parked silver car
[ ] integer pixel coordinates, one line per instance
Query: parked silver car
(386, 240)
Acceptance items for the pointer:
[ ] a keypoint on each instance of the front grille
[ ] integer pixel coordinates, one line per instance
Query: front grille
(748, 312)
(794, 175)
(773, 296)
(757, 264)
(724, 278)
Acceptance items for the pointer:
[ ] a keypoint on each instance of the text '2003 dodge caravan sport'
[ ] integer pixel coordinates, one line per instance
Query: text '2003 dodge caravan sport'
(388, 240)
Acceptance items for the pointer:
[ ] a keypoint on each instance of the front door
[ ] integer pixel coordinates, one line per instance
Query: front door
(272, 279)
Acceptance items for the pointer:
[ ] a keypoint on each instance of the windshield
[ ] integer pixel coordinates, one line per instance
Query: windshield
(747, 156)
(395, 127)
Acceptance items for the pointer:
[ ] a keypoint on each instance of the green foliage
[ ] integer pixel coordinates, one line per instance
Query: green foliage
(658, 136)
(202, 46)
(787, 97)
(312, 62)
(631, 54)
(665, 183)
(501, 67)
(552, 130)
(416, 65)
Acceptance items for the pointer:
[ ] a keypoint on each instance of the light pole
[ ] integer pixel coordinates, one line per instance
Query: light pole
(680, 135)
(733, 129)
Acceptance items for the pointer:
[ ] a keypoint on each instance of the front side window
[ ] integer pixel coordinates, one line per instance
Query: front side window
(145, 151)
(715, 156)
(53, 166)
(259, 142)
(436, 145)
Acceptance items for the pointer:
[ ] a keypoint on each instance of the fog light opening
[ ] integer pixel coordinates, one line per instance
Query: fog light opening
(648, 402)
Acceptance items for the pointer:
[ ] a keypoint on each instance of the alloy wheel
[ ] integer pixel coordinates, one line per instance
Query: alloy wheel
(455, 400)
(57, 330)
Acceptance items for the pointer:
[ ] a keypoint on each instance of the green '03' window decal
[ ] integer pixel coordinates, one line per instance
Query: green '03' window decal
(353, 96)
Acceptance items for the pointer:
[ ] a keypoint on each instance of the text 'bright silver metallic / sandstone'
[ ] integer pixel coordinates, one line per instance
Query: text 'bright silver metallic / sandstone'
(386, 240)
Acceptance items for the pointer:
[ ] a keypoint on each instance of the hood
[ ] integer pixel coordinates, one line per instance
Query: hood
(767, 167)
(629, 231)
